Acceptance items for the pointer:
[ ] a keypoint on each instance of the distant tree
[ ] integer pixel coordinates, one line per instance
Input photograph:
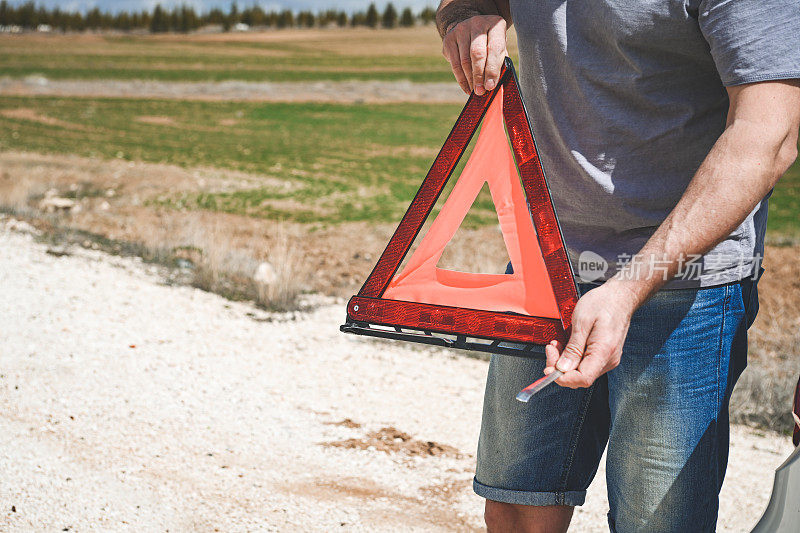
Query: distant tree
(187, 19)
(76, 22)
(326, 17)
(341, 19)
(146, 19)
(285, 19)
(389, 16)
(407, 18)
(306, 19)
(215, 16)
(94, 18)
(122, 21)
(58, 19)
(26, 15)
(233, 16)
(372, 16)
(358, 19)
(43, 16)
(5, 14)
(254, 16)
(174, 20)
(159, 22)
(427, 15)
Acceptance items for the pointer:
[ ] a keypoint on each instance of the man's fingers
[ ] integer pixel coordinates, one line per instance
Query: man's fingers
(573, 352)
(464, 58)
(450, 52)
(551, 353)
(601, 356)
(478, 52)
(590, 368)
(476, 49)
(496, 53)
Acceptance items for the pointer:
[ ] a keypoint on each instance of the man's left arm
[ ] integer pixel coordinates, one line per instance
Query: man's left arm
(758, 145)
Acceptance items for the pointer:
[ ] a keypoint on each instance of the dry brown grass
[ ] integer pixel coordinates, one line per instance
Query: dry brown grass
(764, 393)
(221, 254)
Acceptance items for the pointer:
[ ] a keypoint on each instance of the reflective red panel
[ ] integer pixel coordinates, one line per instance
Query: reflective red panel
(427, 195)
(369, 306)
(456, 320)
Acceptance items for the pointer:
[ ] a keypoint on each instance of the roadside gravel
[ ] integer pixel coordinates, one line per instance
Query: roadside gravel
(130, 405)
(368, 91)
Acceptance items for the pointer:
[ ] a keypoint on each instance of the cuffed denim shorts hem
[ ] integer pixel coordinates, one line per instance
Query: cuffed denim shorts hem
(521, 497)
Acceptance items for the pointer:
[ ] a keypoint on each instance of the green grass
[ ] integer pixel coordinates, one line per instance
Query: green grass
(176, 70)
(325, 162)
(784, 207)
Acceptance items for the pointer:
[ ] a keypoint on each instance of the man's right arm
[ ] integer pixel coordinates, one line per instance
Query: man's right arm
(474, 40)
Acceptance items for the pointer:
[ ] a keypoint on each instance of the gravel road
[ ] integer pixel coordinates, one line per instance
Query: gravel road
(369, 91)
(130, 405)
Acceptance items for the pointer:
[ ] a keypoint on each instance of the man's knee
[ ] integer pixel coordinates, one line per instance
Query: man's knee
(506, 517)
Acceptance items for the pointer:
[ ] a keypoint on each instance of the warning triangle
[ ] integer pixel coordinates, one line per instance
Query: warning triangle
(531, 305)
(527, 290)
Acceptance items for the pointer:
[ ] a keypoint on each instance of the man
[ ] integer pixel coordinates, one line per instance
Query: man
(663, 126)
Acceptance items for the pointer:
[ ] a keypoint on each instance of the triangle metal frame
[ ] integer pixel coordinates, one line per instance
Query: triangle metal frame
(473, 329)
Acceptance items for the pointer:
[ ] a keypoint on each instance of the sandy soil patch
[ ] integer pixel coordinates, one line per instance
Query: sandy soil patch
(158, 121)
(392, 440)
(24, 113)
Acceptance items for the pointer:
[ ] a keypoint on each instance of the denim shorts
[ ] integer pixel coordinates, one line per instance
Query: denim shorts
(663, 413)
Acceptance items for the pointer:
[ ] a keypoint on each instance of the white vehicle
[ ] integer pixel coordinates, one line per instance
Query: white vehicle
(783, 511)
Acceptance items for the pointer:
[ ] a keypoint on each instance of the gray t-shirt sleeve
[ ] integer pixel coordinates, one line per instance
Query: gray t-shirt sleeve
(752, 40)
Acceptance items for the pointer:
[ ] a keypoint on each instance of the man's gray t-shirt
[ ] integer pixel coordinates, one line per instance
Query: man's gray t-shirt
(627, 97)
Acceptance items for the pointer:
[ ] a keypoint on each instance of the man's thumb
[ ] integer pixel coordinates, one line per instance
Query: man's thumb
(572, 354)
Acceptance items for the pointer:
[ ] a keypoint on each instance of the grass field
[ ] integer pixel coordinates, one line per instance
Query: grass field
(326, 163)
(313, 55)
(323, 162)
(338, 163)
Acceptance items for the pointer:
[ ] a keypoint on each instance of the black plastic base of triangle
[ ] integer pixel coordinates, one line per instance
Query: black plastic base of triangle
(447, 341)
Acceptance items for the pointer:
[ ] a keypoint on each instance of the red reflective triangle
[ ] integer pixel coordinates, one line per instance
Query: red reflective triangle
(527, 290)
(534, 304)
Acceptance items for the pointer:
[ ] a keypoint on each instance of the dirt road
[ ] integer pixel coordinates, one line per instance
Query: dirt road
(347, 92)
(127, 404)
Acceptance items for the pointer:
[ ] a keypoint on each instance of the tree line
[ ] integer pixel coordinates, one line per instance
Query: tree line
(186, 19)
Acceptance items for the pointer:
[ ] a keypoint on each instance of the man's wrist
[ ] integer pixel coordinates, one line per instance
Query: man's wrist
(632, 292)
(450, 15)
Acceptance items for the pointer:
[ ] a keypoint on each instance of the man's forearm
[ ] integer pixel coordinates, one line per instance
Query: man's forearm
(741, 168)
(451, 12)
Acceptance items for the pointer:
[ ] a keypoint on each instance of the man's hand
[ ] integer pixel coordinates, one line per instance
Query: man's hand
(476, 49)
(599, 326)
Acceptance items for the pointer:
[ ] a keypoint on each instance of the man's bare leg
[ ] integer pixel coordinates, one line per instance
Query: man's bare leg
(508, 517)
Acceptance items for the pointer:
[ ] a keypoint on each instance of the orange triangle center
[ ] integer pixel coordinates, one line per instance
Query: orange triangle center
(528, 289)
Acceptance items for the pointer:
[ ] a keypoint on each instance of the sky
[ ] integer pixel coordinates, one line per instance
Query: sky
(205, 5)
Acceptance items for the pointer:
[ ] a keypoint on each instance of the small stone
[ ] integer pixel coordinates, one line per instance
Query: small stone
(51, 204)
(265, 274)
